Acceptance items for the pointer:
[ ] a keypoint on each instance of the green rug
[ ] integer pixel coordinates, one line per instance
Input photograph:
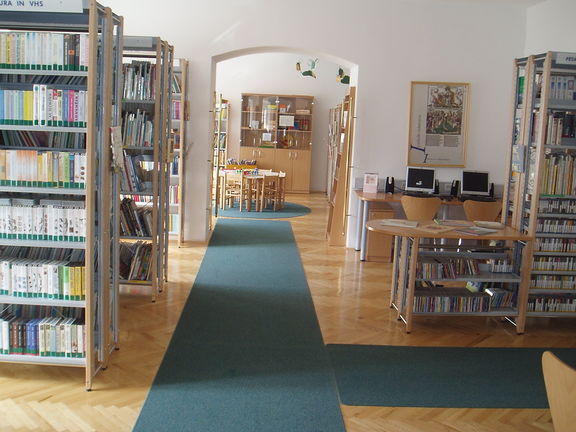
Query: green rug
(289, 210)
(447, 377)
(247, 354)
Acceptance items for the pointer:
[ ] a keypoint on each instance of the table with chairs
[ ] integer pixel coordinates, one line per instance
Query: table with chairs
(257, 190)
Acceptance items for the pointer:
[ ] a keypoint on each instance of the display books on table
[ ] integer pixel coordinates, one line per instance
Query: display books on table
(435, 228)
(489, 224)
(399, 223)
(453, 223)
(475, 230)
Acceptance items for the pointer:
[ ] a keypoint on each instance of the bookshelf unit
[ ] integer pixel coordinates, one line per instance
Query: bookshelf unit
(540, 193)
(176, 168)
(145, 181)
(56, 187)
(340, 168)
(276, 131)
(219, 147)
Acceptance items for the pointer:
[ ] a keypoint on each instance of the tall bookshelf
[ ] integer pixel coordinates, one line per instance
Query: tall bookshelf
(540, 193)
(145, 181)
(56, 183)
(176, 168)
(340, 181)
(219, 146)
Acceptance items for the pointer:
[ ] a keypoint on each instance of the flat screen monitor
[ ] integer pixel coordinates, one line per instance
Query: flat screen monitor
(420, 179)
(475, 183)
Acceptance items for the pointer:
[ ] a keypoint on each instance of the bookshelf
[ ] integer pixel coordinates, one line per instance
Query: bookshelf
(145, 179)
(334, 136)
(179, 117)
(343, 136)
(55, 215)
(540, 192)
(219, 146)
(276, 131)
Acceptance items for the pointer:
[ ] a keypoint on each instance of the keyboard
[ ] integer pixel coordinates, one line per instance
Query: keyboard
(476, 198)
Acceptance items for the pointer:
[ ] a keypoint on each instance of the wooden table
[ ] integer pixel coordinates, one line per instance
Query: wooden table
(364, 200)
(406, 254)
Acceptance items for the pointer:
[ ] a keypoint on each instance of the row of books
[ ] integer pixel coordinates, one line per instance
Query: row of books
(176, 109)
(139, 79)
(43, 337)
(553, 282)
(35, 168)
(558, 125)
(174, 194)
(450, 300)
(558, 176)
(562, 87)
(563, 206)
(45, 139)
(45, 254)
(176, 84)
(60, 81)
(555, 245)
(556, 226)
(51, 220)
(135, 261)
(138, 129)
(174, 166)
(42, 279)
(173, 223)
(434, 268)
(554, 263)
(135, 221)
(137, 172)
(43, 106)
(44, 51)
(556, 303)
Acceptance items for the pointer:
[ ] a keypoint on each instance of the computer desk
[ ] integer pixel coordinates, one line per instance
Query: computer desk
(364, 200)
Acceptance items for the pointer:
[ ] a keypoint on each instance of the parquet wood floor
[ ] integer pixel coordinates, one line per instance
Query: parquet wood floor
(352, 303)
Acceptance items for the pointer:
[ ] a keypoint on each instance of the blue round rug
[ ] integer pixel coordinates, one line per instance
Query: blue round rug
(289, 210)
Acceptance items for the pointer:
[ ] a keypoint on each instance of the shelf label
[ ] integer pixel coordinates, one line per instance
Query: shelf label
(566, 58)
(62, 6)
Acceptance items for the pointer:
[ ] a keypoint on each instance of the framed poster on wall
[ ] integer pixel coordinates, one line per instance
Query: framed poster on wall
(438, 124)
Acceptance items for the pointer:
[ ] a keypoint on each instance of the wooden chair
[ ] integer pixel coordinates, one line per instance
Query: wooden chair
(232, 186)
(420, 208)
(269, 191)
(560, 381)
(482, 210)
(281, 188)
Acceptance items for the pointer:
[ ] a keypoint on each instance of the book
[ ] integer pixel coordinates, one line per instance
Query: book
(399, 223)
(489, 224)
(435, 228)
(453, 223)
(475, 230)
(370, 183)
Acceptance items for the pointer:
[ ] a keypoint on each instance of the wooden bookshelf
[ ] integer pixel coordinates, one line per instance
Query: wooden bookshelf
(179, 117)
(219, 150)
(146, 110)
(340, 169)
(88, 322)
(539, 192)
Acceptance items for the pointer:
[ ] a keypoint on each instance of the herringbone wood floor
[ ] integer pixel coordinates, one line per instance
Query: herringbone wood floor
(351, 301)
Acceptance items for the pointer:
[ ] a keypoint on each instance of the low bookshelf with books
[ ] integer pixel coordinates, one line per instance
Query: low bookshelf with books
(143, 218)
(56, 305)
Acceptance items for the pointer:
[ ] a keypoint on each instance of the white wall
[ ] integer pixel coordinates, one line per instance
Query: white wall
(275, 73)
(392, 42)
(550, 27)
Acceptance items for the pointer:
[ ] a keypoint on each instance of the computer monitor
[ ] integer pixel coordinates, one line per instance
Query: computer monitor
(475, 183)
(420, 179)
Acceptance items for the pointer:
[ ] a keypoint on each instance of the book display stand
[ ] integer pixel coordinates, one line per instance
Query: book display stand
(540, 192)
(145, 182)
(57, 305)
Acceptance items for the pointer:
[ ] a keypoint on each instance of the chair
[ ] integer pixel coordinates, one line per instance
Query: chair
(420, 208)
(560, 381)
(232, 186)
(482, 210)
(269, 192)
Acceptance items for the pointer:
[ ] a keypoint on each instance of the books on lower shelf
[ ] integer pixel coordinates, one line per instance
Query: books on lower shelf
(42, 331)
(43, 139)
(137, 173)
(138, 129)
(135, 261)
(556, 303)
(135, 221)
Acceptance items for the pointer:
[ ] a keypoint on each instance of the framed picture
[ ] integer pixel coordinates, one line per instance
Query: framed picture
(438, 124)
